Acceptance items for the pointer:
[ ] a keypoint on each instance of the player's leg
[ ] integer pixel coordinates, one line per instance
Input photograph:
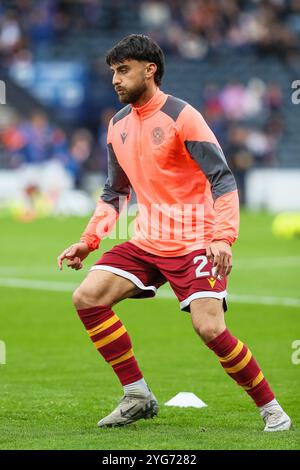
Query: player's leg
(103, 288)
(199, 292)
(207, 316)
(93, 300)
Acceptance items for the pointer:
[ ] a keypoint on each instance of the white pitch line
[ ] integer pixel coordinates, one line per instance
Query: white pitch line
(267, 263)
(248, 299)
(239, 264)
(162, 293)
(38, 285)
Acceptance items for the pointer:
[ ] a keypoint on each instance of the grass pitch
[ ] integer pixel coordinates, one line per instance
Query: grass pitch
(55, 386)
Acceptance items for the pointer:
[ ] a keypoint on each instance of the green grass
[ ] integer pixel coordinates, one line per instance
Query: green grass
(55, 387)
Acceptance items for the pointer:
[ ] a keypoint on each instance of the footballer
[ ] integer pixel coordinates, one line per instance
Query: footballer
(188, 219)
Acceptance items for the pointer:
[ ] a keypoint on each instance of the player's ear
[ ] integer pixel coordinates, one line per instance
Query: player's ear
(151, 69)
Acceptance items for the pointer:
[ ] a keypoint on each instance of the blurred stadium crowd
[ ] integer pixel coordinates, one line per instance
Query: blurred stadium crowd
(187, 28)
(247, 116)
(36, 140)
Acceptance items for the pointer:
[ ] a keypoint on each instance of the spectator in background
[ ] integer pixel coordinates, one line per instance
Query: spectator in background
(41, 26)
(213, 111)
(79, 153)
(254, 96)
(240, 158)
(10, 35)
(12, 142)
(38, 134)
(155, 15)
(273, 97)
(232, 100)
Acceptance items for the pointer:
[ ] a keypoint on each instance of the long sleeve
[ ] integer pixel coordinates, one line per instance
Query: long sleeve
(205, 150)
(115, 195)
(227, 217)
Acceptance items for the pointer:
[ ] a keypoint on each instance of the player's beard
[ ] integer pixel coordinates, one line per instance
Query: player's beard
(132, 96)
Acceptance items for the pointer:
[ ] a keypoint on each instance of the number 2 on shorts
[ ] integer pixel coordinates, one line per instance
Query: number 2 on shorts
(202, 262)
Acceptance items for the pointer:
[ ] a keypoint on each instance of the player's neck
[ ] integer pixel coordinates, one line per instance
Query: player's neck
(146, 96)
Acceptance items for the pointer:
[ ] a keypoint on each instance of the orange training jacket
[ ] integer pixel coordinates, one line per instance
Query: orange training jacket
(186, 193)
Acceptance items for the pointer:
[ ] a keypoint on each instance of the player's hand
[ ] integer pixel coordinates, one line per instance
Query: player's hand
(74, 255)
(219, 253)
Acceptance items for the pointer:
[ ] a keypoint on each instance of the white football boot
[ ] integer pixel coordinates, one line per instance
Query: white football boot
(130, 409)
(276, 419)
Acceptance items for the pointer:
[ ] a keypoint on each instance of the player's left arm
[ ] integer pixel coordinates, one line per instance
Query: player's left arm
(202, 145)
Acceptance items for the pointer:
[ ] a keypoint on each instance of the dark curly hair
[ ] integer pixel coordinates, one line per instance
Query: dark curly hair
(138, 47)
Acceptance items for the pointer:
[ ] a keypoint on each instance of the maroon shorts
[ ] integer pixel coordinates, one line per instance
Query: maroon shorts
(190, 276)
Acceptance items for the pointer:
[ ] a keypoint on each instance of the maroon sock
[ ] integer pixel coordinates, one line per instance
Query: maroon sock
(112, 341)
(238, 362)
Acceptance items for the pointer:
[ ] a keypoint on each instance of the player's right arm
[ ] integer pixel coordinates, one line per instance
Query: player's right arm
(116, 193)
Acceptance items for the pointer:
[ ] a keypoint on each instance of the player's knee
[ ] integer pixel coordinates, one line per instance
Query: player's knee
(207, 318)
(86, 298)
(77, 298)
(207, 325)
(208, 332)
